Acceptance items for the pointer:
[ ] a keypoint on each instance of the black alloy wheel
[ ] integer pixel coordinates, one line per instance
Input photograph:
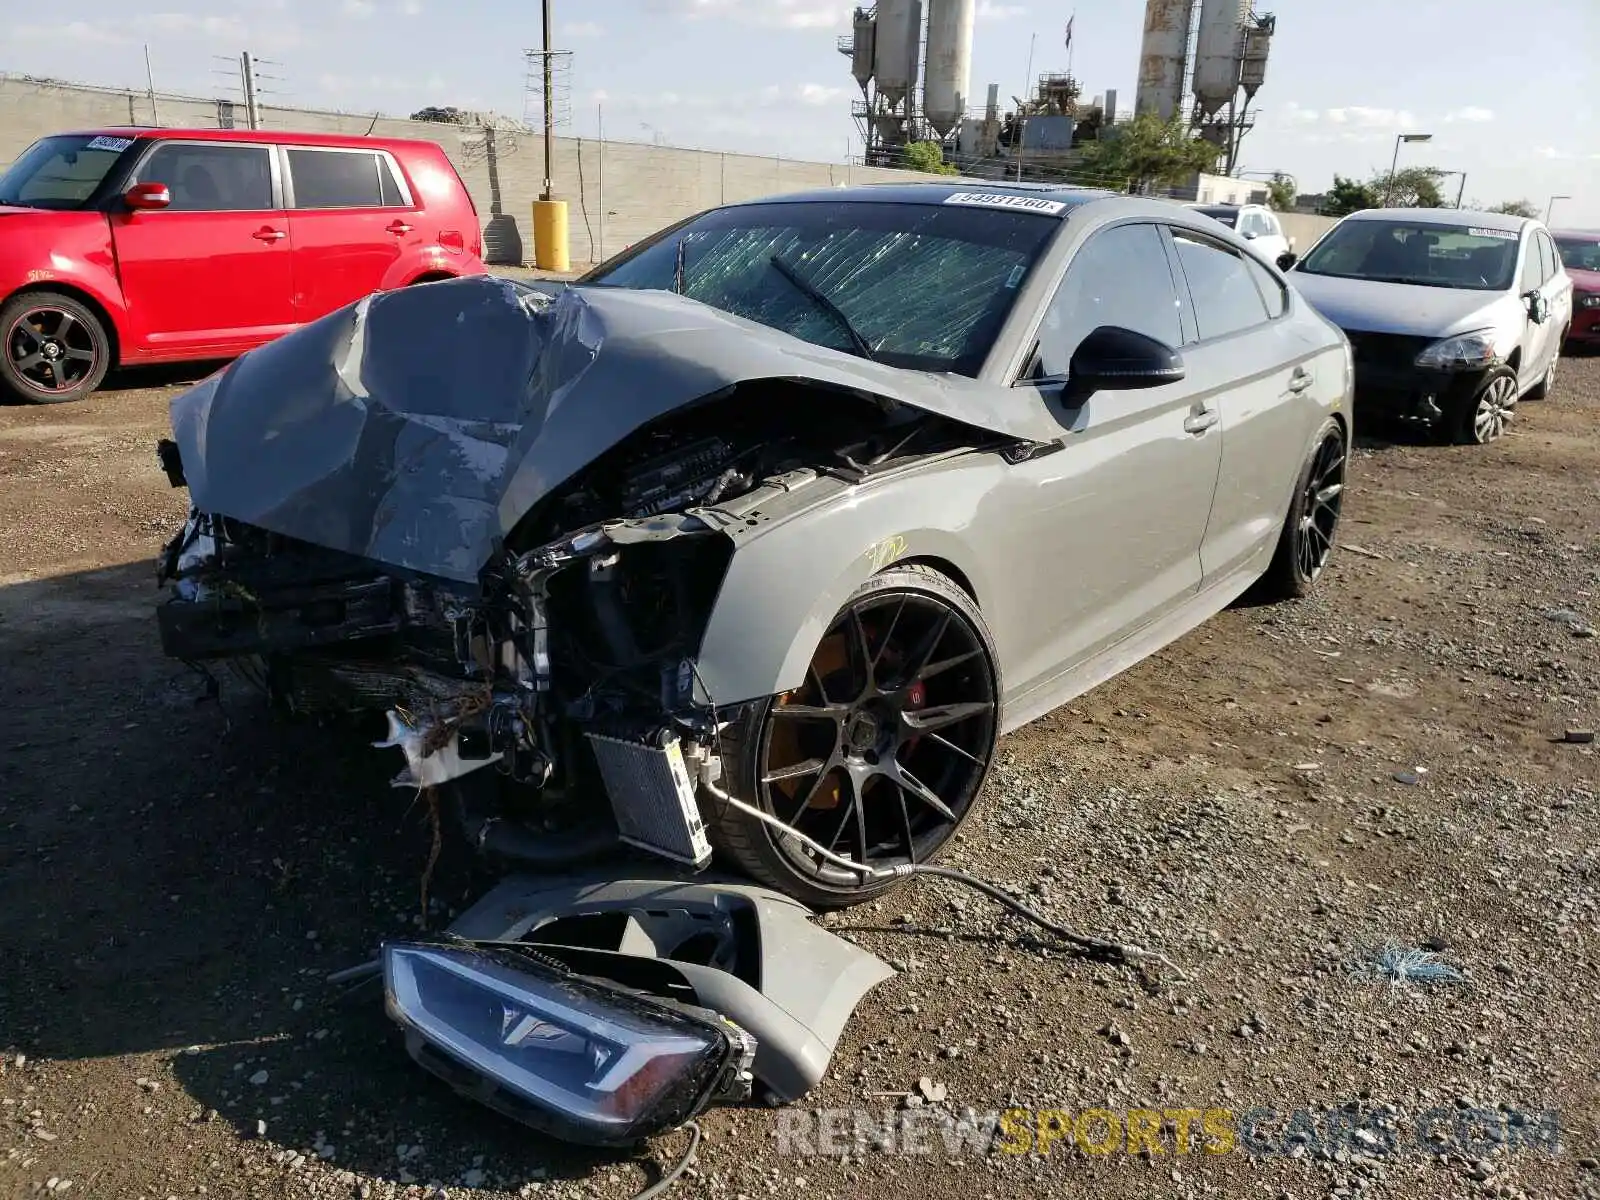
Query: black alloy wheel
(1312, 526)
(880, 756)
(55, 349)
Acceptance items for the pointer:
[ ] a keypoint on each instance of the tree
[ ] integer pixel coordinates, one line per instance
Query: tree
(1516, 208)
(1146, 151)
(1409, 187)
(1280, 193)
(1347, 196)
(443, 116)
(929, 157)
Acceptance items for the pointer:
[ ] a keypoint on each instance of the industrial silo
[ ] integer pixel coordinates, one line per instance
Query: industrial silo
(1162, 55)
(948, 73)
(895, 46)
(1218, 50)
(863, 35)
(1257, 44)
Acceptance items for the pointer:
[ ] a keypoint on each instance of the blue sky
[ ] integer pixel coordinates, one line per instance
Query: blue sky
(1510, 101)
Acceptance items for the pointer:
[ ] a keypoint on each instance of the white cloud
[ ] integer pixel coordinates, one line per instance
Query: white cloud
(1362, 117)
(232, 31)
(776, 14)
(583, 29)
(74, 31)
(1470, 113)
(1551, 152)
(818, 94)
(359, 9)
(990, 11)
(411, 8)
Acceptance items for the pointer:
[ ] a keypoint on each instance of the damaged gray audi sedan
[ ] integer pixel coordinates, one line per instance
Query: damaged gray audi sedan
(765, 530)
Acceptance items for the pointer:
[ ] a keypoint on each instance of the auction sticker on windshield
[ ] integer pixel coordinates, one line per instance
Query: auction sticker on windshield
(1000, 200)
(1509, 235)
(109, 143)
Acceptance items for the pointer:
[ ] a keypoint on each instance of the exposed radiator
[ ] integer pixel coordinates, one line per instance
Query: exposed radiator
(652, 796)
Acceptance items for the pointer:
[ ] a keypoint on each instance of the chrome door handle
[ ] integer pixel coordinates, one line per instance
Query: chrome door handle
(1300, 380)
(1200, 421)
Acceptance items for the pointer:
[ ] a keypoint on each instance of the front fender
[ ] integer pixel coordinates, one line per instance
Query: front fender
(787, 580)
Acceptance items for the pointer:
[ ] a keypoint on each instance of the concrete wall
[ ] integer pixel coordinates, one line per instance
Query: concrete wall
(617, 192)
(1303, 229)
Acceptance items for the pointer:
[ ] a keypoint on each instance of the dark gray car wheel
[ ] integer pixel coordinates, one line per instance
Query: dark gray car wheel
(1312, 525)
(55, 349)
(1489, 411)
(880, 756)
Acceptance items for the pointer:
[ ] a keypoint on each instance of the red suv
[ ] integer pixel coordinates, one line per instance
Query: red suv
(128, 246)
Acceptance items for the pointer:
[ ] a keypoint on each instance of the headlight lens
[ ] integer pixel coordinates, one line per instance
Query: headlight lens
(582, 1061)
(1463, 352)
(1589, 300)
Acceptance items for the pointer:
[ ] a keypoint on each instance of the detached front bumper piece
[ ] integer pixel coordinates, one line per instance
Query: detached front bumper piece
(605, 1011)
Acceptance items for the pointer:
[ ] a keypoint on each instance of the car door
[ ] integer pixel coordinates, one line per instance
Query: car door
(352, 219)
(1536, 337)
(1248, 363)
(1117, 515)
(211, 272)
(1558, 292)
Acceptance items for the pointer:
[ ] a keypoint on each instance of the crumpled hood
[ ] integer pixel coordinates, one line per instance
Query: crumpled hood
(1402, 308)
(417, 427)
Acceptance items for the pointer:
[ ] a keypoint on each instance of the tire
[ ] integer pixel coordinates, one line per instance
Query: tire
(1542, 389)
(941, 718)
(1485, 415)
(1311, 528)
(48, 336)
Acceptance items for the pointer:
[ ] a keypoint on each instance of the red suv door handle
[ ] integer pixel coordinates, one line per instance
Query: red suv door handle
(397, 228)
(268, 234)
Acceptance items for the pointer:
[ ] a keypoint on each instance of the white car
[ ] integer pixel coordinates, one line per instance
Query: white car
(1255, 223)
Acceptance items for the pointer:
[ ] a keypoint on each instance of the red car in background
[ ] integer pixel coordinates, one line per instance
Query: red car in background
(1580, 254)
(127, 246)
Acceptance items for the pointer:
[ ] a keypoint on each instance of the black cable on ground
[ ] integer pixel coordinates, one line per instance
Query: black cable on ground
(660, 1186)
(1111, 951)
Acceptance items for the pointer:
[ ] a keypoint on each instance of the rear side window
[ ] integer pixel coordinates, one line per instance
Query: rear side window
(1547, 252)
(343, 179)
(1224, 295)
(1271, 290)
(1120, 277)
(1533, 272)
(212, 177)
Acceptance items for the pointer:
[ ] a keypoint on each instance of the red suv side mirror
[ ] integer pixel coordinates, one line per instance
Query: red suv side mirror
(148, 196)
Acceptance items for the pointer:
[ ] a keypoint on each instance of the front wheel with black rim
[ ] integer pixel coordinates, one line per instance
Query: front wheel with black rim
(879, 755)
(1312, 525)
(55, 348)
(1489, 411)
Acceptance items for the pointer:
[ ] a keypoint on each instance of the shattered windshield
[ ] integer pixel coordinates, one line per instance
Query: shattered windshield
(913, 285)
(1431, 255)
(60, 172)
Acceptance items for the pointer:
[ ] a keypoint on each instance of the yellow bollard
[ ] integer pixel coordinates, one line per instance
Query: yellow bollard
(550, 235)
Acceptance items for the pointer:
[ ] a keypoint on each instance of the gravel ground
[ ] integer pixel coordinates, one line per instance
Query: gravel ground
(1271, 796)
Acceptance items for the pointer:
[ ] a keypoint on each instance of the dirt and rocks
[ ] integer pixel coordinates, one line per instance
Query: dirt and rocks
(1399, 759)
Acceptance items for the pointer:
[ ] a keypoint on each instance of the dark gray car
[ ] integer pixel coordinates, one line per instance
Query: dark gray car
(793, 509)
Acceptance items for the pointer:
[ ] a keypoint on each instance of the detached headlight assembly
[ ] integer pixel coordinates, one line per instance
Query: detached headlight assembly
(568, 1055)
(1464, 352)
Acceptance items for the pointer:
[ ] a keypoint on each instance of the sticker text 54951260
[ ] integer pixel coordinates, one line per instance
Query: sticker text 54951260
(1001, 200)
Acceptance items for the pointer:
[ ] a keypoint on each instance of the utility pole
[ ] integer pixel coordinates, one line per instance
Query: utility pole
(1022, 120)
(150, 82)
(247, 75)
(549, 111)
(600, 140)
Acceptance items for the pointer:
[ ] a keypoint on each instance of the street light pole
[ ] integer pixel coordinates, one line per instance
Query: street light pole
(1551, 207)
(1394, 163)
(549, 113)
(1462, 190)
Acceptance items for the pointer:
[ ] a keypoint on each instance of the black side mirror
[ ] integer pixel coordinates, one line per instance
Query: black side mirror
(1114, 359)
(1287, 259)
(1538, 308)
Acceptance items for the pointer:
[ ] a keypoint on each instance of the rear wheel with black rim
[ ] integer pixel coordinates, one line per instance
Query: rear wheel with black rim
(1312, 526)
(880, 755)
(1489, 411)
(55, 348)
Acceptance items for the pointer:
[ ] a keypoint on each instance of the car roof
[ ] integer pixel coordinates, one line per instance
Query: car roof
(264, 136)
(1445, 216)
(937, 192)
(1593, 234)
